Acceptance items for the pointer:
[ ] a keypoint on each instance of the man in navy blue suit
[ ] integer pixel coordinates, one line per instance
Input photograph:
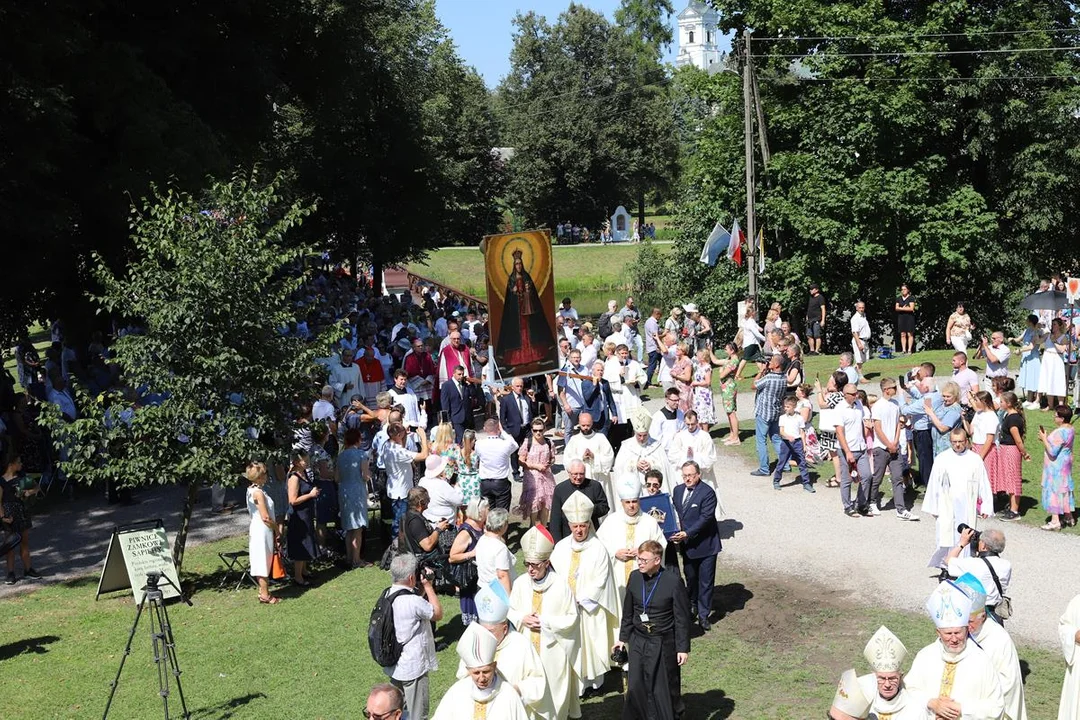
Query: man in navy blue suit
(455, 398)
(516, 413)
(699, 539)
(599, 401)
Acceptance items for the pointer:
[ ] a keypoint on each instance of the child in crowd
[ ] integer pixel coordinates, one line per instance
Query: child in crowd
(792, 444)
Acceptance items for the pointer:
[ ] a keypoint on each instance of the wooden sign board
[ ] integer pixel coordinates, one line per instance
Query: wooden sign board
(134, 551)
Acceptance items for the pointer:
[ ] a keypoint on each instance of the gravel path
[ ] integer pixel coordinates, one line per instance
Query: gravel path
(879, 561)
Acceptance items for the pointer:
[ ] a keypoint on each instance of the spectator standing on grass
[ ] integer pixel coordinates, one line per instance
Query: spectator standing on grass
(1027, 379)
(1057, 482)
(729, 390)
(997, 355)
(414, 618)
(15, 517)
(1006, 470)
(464, 551)
(768, 404)
(887, 450)
(860, 337)
(653, 345)
(905, 319)
(1052, 379)
(964, 377)
(958, 329)
(848, 420)
(792, 444)
(815, 320)
(752, 341)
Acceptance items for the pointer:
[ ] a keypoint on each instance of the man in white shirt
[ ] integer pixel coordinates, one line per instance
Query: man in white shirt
(588, 349)
(978, 563)
(414, 618)
(860, 336)
(846, 359)
(854, 462)
(570, 396)
(324, 409)
(618, 335)
(567, 311)
(997, 358)
(887, 430)
(58, 394)
(494, 448)
(344, 378)
(964, 376)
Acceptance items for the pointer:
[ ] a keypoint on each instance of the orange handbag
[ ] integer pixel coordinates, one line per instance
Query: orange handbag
(277, 566)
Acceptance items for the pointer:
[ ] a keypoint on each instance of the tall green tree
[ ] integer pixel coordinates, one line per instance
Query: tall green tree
(209, 279)
(892, 160)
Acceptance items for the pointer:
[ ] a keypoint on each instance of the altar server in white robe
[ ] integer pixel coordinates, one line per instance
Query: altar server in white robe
(584, 561)
(693, 443)
(641, 453)
(595, 453)
(484, 694)
(851, 701)
(543, 609)
(891, 698)
(344, 378)
(958, 492)
(668, 420)
(1069, 635)
(954, 673)
(998, 645)
(518, 661)
(623, 531)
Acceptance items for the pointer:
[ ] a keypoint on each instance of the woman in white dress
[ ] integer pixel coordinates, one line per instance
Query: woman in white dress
(1052, 372)
(261, 531)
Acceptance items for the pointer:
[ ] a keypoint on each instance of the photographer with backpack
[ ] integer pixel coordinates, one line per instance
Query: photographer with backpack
(400, 633)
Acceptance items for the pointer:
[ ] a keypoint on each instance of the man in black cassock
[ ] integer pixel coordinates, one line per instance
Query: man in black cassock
(656, 629)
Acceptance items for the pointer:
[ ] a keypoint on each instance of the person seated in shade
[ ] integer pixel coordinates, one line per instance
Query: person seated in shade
(484, 694)
(518, 661)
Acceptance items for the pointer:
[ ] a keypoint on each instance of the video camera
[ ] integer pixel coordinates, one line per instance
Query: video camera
(975, 536)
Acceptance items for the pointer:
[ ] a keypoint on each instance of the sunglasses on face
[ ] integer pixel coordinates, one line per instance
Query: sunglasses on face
(652, 485)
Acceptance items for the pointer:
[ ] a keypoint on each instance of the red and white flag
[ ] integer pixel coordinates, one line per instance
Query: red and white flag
(734, 251)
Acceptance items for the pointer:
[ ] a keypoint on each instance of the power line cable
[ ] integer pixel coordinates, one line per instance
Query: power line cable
(778, 81)
(974, 33)
(914, 53)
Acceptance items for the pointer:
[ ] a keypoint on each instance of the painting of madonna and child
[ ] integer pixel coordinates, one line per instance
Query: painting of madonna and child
(521, 302)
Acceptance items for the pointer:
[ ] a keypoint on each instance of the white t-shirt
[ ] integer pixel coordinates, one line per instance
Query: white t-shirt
(791, 426)
(588, 354)
(492, 555)
(569, 312)
(850, 417)
(322, 410)
(445, 499)
(751, 334)
(983, 425)
(860, 327)
(887, 411)
(968, 382)
(399, 474)
(1001, 367)
(494, 454)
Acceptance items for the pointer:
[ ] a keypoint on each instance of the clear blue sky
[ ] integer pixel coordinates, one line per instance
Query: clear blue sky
(482, 29)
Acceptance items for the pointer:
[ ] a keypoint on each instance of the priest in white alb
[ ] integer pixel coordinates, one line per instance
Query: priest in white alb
(483, 694)
(623, 531)
(1069, 635)
(641, 453)
(626, 378)
(542, 608)
(344, 378)
(668, 420)
(584, 561)
(891, 698)
(958, 492)
(693, 443)
(595, 453)
(517, 659)
(998, 645)
(953, 673)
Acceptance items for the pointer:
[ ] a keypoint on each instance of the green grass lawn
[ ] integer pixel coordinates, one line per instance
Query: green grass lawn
(775, 651)
(578, 268)
(1031, 513)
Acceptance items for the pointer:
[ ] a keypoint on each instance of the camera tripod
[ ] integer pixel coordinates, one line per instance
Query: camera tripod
(163, 642)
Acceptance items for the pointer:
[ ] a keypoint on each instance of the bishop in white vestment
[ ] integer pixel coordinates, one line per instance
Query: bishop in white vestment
(1069, 635)
(641, 453)
(518, 661)
(852, 700)
(891, 698)
(595, 453)
(958, 492)
(483, 694)
(998, 645)
(693, 443)
(543, 609)
(584, 561)
(625, 529)
(953, 671)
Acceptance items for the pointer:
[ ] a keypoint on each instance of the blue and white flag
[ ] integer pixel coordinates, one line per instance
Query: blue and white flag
(716, 245)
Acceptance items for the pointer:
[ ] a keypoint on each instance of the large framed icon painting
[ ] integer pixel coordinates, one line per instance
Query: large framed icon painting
(521, 302)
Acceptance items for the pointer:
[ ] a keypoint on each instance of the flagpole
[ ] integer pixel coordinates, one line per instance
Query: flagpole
(748, 136)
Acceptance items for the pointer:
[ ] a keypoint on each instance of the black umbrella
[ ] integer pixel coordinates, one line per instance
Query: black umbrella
(1049, 300)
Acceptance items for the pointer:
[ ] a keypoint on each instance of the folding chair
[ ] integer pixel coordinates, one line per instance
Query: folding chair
(236, 562)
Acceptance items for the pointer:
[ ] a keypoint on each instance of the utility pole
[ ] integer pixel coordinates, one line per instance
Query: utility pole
(748, 132)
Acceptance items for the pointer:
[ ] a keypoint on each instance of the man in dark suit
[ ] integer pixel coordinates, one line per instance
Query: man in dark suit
(577, 482)
(515, 414)
(599, 402)
(455, 399)
(699, 539)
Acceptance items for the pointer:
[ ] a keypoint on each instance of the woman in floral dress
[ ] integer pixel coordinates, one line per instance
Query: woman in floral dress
(702, 389)
(538, 483)
(682, 375)
(728, 389)
(1057, 483)
(468, 468)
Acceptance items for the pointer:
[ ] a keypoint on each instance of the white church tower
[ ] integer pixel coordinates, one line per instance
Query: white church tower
(698, 36)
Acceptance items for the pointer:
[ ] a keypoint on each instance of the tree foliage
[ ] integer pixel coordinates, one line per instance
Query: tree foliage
(587, 110)
(949, 172)
(209, 280)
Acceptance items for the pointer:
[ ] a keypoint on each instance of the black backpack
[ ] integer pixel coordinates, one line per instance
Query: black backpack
(382, 635)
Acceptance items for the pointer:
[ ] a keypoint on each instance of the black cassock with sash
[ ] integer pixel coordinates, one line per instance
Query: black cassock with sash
(655, 626)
